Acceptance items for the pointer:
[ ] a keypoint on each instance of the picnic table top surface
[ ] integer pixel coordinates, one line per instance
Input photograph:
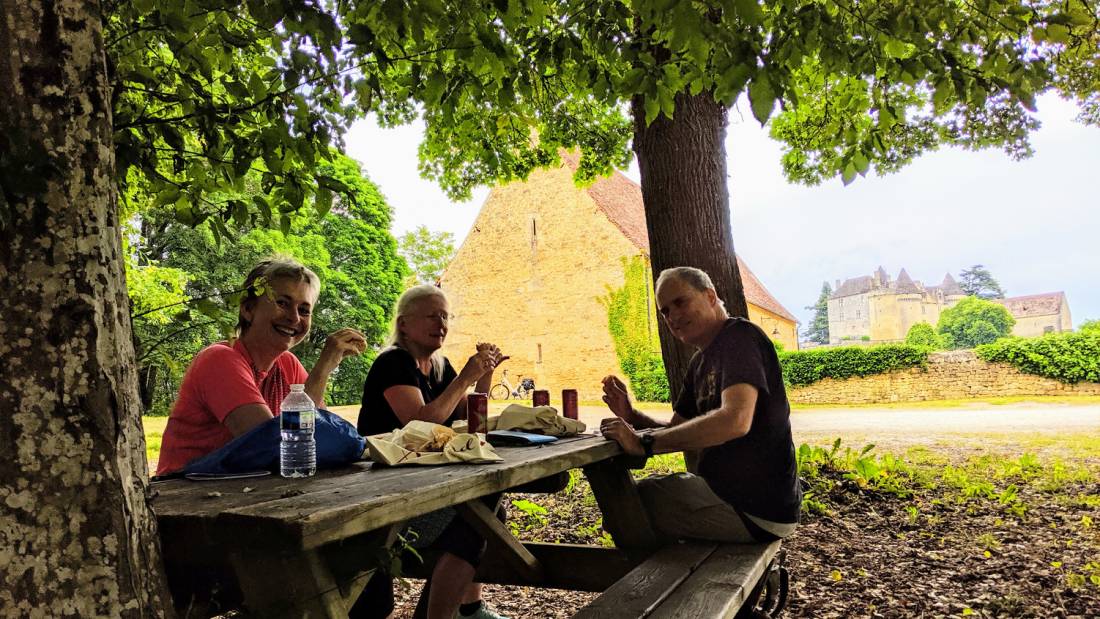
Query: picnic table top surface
(337, 504)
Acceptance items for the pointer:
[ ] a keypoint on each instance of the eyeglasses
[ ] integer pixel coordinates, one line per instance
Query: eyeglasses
(441, 317)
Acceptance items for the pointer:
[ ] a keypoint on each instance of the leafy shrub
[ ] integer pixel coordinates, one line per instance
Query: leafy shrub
(1068, 357)
(973, 322)
(1089, 326)
(632, 321)
(805, 367)
(923, 334)
(648, 379)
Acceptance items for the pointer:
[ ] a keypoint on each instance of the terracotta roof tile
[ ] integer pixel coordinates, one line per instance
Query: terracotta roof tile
(621, 200)
(1034, 304)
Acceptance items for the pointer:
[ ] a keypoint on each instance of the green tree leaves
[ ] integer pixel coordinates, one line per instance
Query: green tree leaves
(972, 322)
(979, 282)
(818, 329)
(428, 253)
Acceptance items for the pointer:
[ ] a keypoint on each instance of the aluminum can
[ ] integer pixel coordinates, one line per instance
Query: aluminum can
(541, 397)
(477, 412)
(569, 403)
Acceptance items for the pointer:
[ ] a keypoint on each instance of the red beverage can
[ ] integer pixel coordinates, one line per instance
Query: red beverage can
(541, 397)
(477, 412)
(569, 403)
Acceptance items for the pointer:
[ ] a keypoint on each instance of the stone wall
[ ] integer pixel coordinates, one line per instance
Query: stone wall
(949, 376)
(529, 278)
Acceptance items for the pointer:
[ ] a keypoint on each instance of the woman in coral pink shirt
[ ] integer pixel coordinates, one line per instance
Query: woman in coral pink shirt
(232, 387)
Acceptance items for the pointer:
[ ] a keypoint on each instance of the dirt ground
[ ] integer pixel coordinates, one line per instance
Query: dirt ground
(937, 553)
(875, 554)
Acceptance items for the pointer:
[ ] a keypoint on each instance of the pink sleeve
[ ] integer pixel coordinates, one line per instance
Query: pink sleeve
(224, 381)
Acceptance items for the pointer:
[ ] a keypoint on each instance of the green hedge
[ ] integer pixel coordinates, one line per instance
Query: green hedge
(805, 367)
(1068, 357)
(648, 379)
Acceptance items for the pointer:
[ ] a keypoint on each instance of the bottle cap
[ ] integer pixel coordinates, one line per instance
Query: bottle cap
(297, 387)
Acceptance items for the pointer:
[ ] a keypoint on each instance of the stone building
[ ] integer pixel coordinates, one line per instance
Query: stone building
(881, 309)
(875, 308)
(530, 275)
(1038, 314)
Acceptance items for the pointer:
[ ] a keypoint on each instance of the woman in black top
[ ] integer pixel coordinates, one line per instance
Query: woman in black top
(410, 380)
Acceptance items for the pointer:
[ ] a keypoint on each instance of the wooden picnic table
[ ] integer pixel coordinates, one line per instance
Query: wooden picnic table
(302, 547)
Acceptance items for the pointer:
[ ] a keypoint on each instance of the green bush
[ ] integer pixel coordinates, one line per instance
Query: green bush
(924, 334)
(1068, 357)
(632, 322)
(973, 322)
(806, 367)
(649, 380)
(1089, 326)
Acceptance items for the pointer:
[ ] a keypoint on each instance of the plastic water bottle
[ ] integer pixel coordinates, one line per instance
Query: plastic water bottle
(297, 447)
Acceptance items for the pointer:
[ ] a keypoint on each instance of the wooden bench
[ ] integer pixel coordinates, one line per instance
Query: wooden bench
(695, 580)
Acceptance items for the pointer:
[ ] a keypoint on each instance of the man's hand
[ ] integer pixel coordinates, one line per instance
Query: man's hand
(620, 431)
(617, 399)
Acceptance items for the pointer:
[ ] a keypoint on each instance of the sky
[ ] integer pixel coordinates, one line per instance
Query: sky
(1034, 224)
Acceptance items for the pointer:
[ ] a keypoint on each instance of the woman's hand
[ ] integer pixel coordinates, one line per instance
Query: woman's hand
(479, 364)
(494, 352)
(340, 345)
(617, 398)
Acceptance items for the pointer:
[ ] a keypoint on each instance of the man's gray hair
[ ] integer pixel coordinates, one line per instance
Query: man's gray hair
(696, 278)
(408, 299)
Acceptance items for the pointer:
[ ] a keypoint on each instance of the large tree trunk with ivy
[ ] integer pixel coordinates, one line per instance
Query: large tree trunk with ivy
(683, 169)
(77, 537)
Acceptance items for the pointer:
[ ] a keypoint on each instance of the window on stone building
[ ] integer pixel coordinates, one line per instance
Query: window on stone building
(1048, 329)
(539, 358)
(534, 232)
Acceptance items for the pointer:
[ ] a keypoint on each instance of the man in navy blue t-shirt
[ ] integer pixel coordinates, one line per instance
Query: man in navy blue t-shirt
(732, 421)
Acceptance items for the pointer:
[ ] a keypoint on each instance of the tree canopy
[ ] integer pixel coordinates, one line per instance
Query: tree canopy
(818, 329)
(859, 85)
(972, 322)
(350, 249)
(428, 253)
(978, 281)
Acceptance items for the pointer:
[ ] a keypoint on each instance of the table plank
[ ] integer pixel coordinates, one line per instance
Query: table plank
(338, 504)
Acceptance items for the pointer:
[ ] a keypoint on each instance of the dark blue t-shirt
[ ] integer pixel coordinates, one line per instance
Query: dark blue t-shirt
(396, 366)
(756, 473)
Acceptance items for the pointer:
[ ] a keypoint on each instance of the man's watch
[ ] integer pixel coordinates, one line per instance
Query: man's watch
(647, 443)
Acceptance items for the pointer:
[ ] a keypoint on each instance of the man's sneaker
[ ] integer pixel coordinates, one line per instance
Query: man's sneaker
(484, 612)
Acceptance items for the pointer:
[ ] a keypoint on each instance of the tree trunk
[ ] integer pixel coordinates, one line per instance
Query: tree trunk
(77, 537)
(683, 169)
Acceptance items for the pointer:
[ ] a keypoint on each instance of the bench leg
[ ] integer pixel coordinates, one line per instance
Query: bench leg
(769, 596)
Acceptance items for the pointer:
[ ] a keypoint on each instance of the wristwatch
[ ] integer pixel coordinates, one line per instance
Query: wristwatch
(647, 443)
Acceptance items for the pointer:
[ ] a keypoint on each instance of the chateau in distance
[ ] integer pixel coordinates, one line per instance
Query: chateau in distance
(881, 309)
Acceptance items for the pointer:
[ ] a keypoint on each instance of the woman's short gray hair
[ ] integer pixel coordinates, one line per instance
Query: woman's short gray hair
(271, 269)
(408, 299)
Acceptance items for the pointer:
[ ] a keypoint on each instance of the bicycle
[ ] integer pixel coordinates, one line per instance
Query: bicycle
(504, 389)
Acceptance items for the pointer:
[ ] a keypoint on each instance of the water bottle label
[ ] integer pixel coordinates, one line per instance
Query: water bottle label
(297, 421)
